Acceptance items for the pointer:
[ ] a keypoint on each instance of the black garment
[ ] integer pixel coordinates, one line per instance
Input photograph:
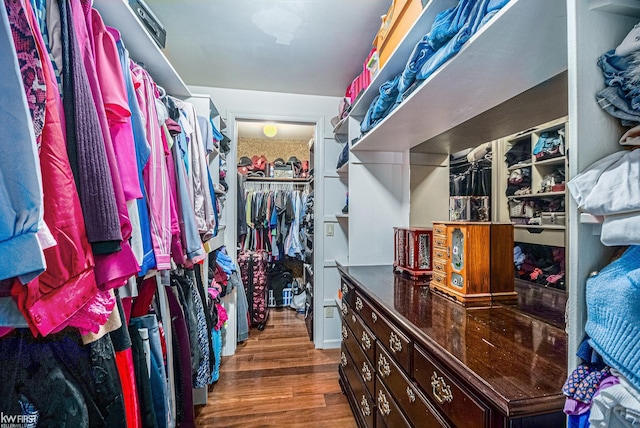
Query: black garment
(181, 362)
(71, 385)
(242, 211)
(143, 383)
(120, 337)
(182, 283)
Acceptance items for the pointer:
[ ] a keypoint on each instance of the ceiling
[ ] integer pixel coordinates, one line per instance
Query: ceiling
(314, 47)
(286, 131)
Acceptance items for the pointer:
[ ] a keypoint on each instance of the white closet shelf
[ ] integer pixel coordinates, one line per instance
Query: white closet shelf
(496, 76)
(543, 227)
(215, 242)
(141, 46)
(342, 216)
(587, 218)
(536, 195)
(619, 7)
(344, 169)
(340, 128)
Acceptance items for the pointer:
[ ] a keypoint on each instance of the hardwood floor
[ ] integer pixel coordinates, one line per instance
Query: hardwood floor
(277, 379)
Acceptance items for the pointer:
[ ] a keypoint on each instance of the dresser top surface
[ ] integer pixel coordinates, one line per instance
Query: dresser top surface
(518, 361)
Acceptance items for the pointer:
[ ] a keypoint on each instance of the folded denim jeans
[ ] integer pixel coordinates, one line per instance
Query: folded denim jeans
(381, 105)
(474, 17)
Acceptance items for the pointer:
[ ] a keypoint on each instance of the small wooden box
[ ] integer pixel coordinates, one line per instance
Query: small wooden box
(474, 262)
(413, 251)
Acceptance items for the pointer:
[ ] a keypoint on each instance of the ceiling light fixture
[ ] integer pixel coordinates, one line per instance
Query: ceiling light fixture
(270, 130)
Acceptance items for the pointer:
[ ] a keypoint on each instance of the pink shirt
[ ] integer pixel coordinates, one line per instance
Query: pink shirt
(114, 96)
(156, 179)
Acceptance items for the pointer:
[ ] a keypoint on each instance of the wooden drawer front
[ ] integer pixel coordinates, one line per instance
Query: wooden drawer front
(439, 278)
(440, 241)
(440, 229)
(347, 291)
(391, 338)
(388, 408)
(448, 398)
(365, 405)
(362, 335)
(439, 253)
(410, 400)
(350, 318)
(362, 363)
(440, 265)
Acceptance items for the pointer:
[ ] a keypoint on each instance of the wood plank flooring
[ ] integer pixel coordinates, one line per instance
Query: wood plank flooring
(277, 379)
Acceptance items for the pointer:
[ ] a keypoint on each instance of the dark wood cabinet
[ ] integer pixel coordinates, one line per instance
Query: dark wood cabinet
(417, 358)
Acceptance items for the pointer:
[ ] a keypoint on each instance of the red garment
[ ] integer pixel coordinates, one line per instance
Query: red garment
(124, 362)
(146, 291)
(68, 283)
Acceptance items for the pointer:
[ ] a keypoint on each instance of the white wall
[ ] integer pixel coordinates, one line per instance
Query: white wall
(242, 104)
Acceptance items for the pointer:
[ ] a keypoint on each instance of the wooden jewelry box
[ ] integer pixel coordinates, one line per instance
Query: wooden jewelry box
(473, 262)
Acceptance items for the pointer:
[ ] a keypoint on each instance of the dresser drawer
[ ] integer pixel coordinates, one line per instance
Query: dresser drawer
(448, 398)
(439, 228)
(440, 253)
(365, 406)
(347, 291)
(440, 241)
(398, 345)
(388, 408)
(440, 265)
(362, 363)
(439, 278)
(409, 399)
(361, 334)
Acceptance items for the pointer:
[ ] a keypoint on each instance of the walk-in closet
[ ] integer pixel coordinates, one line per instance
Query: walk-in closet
(337, 213)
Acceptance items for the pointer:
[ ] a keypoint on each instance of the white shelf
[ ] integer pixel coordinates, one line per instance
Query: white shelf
(543, 227)
(341, 128)
(344, 169)
(618, 7)
(215, 242)
(553, 161)
(537, 195)
(342, 216)
(519, 165)
(433, 109)
(330, 218)
(141, 46)
(587, 218)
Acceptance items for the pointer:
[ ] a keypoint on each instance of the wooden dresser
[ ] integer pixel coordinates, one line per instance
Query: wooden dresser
(411, 357)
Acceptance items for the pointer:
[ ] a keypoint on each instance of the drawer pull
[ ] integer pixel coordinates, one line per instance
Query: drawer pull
(394, 343)
(366, 372)
(366, 341)
(343, 360)
(411, 394)
(441, 391)
(359, 304)
(345, 310)
(383, 404)
(383, 366)
(345, 289)
(374, 317)
(345, 333)
(364, 406)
